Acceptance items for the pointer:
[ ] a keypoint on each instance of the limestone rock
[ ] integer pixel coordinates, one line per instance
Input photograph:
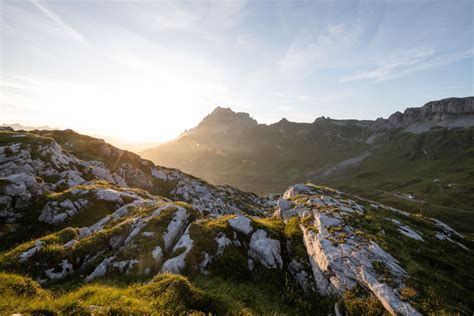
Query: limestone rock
(175, 227)
(66, 269)
(30, 252)
(296, 189)
(177, 264)
(265, 250)
(241, 224)
(100, 270)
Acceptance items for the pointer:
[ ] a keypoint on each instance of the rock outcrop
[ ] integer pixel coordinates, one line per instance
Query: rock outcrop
(265, 250)
(341, 257)
(32, 165)
(441, 110)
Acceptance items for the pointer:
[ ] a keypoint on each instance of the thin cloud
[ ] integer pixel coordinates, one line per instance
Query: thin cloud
(445, 88)
(306, 54)
(307, 98)
(74, 34)
(195, 17)
(420, 60)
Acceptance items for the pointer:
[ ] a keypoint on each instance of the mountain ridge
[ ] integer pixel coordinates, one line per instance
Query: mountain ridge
(439, 110)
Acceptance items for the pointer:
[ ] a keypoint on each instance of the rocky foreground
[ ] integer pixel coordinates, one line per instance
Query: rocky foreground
(75, 210)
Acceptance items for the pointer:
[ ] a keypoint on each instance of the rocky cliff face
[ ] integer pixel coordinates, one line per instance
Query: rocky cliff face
(441, 110)
(91, 211)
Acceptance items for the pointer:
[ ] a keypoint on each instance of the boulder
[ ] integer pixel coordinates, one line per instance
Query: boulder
(177, 264)
(265, 250)
(241, 224)
(297, 189)
(100, 270)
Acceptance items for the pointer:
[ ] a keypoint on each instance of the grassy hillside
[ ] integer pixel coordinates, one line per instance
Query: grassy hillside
(264, 158)
(430, 174)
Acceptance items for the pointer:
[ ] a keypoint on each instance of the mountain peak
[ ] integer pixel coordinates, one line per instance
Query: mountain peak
(283, 121)
(221, 119)
(220, 110)
(321, 119)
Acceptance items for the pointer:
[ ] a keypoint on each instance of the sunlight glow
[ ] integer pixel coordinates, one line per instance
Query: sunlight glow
(129, 108)
(144, 71)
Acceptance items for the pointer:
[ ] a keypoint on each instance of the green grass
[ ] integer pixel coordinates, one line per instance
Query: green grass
(203, 233)
(254, 298)
(272, 225)
(164, 294)
(163, 188)
(292, 228)
(399, 165)
(357, 302)
(9, 259)
(294, 235)
(261, 291)
(7, 138)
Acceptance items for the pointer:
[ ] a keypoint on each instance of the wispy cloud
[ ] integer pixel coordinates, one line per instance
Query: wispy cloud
(304, 98)
(73, 33)
(406, 63)
(200, 17)
(462, 87)
(306, 54)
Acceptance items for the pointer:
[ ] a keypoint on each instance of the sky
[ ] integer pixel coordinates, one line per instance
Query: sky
(144, 71)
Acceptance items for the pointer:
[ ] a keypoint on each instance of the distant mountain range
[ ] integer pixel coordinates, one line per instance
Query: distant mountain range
(421, 159)
(131, 146)
(19, 127)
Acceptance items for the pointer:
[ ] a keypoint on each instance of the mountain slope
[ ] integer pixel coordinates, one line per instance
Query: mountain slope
(91, 226)
(426, 153)
(39, 173)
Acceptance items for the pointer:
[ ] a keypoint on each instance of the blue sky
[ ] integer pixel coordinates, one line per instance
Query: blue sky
(146, 71)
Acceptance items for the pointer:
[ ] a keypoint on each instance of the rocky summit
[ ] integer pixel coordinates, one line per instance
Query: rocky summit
(88, 228)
